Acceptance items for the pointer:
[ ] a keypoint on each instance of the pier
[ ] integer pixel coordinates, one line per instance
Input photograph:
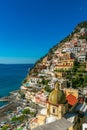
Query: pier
(5, 99)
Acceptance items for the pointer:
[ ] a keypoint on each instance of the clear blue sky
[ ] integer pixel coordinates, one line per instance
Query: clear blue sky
(29, 28)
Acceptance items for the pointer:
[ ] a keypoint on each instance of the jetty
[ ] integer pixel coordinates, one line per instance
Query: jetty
(5, 99)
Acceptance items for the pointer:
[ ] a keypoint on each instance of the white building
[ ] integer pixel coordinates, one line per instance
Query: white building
(84, 126)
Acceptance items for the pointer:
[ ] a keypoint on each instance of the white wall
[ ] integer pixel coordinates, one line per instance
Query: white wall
(84, 126)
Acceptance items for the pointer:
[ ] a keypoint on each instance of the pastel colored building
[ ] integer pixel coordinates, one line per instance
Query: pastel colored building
(40, 98)
(60, 74)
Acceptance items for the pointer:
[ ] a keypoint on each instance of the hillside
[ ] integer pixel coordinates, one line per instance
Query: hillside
(68, 56)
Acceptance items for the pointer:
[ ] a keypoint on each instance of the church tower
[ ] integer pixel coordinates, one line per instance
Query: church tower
(57, 105)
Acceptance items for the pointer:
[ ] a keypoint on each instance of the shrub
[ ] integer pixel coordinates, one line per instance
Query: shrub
(26, 111)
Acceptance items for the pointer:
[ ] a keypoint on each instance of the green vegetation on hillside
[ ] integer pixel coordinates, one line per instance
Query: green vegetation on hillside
(18, 119)
(83, 37)
(77, 76)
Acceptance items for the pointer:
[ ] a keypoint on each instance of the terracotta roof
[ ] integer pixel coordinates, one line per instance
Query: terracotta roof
(71, 99)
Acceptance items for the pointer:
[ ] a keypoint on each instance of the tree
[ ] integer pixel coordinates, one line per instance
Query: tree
(26, 111)
(45, 82)
(47, 88)
(5, 127)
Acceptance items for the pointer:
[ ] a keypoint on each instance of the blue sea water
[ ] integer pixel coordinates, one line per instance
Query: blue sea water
(11, 77)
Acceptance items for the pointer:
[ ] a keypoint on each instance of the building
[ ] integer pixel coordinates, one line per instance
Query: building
(63, 84)
(64, 65)
(81, 58)
(44, 61)
(60, 74)
(37, 121)
(83, 31)
(41, 98)
(71, 100)
(56, 104)
(33, 79)
(66, 56)
(61, 124)
(84, 126)
(75, 120)
(71, 96)
(86, 67)
(29, 95)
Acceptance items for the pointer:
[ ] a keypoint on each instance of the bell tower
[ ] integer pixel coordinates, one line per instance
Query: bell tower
(56, 104)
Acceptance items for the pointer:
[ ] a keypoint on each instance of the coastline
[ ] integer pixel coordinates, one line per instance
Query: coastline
(11, 77)
(10, 106)
(8, 98)
(6, 107)
(4, 110)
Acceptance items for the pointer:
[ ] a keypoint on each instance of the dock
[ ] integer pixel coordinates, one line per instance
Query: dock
(5, 99)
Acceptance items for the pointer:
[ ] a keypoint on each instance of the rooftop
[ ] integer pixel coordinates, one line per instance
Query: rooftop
(61, 124)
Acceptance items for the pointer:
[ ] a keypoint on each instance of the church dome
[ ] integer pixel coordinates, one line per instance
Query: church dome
(57, 96)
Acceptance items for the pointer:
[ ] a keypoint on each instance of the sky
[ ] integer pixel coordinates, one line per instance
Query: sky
(29, 28)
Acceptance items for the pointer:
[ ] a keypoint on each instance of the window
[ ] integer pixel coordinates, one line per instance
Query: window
(53, 110)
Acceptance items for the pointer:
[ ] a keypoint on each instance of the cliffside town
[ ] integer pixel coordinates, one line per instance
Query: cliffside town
(68, 57)
(65, 63)
(53, 95)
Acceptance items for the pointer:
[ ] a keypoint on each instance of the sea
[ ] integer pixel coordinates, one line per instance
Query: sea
(11, 77)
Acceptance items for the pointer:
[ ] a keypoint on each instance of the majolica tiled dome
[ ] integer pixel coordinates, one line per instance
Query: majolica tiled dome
(57, 96)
